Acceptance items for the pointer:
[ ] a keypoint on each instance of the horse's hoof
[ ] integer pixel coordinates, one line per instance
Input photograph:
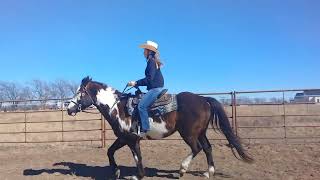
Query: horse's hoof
(210, 172)
(117, 174)
(206, 175)
(133, 178)
(182, 171)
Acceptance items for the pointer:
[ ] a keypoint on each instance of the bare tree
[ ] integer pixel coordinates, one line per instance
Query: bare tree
(225, 101)
(260, 100)
(2, 91)
(37, 90)
(60, 89)
(244, 100)
(73, 87)
(1, 95)
(26, 93)
(40, 89)
(276, 100)
(9, 90)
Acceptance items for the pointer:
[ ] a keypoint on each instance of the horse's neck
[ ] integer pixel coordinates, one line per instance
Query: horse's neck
(109, 104)
(108, 97)
(104, 110)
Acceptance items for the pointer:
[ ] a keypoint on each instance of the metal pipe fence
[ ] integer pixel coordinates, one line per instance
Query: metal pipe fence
(239, 114)
(41, 108)
(285, 116)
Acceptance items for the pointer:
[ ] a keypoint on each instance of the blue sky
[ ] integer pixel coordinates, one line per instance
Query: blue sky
(206, 46)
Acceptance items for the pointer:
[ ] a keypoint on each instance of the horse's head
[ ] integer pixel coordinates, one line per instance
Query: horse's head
(91, 93)
(82, 99)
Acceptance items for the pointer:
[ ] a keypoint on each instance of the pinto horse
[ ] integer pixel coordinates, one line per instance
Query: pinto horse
(191, 120)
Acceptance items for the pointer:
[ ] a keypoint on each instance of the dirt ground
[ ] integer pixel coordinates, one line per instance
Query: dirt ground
(161, 160)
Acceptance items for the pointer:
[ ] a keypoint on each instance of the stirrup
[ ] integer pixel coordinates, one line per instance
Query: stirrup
(138, 131)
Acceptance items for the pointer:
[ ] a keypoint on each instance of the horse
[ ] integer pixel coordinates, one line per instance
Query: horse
(191, 119)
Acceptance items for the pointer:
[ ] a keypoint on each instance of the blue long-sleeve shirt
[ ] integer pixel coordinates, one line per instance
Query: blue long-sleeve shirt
(154, 78)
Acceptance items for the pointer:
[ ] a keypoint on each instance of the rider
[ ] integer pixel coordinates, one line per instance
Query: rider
(154, 82)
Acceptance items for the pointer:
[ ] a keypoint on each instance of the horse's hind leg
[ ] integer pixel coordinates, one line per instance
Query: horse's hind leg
(208, 151)
(113, 148)
(195, 149)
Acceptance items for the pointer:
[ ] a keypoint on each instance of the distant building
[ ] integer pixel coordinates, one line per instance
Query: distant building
(312, 96)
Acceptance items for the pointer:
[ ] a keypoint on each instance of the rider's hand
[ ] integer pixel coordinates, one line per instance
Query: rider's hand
(132, 83)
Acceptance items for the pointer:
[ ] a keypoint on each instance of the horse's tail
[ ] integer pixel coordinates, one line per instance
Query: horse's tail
(219, 116)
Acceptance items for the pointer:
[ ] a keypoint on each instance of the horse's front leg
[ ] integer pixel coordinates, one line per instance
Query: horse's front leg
(135, 149)
(113, 148)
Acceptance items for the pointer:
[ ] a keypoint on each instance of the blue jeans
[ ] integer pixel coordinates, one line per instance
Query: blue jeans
(146, 101)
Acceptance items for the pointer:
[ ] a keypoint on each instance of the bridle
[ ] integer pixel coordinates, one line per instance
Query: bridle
(79, 105)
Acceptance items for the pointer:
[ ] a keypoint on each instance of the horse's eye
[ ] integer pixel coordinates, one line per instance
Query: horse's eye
(83, 94)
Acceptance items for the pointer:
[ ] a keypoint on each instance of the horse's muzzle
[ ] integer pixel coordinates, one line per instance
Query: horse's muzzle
(71, 112)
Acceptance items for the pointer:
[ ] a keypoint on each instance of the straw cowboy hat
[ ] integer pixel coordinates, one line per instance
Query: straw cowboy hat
(150, 45)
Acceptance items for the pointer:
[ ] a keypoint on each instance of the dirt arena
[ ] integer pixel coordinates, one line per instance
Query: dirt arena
(161, 159)
(274, 160)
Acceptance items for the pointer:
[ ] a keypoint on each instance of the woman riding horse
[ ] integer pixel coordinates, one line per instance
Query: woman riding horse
(191, 120)
(154, 82)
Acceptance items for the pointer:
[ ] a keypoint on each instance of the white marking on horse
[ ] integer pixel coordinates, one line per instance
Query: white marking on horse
(210, 171)
(185, 163)
(133, 178)
(206, 174)
(108, 97)
(157, 130)
(136, 158)
(76, 98)
(122, 123)
(72, 104)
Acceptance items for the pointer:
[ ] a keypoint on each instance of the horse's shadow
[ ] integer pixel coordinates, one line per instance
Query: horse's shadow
(102, 173)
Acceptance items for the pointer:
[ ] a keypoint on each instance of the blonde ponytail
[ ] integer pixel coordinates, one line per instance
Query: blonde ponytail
(158, 61)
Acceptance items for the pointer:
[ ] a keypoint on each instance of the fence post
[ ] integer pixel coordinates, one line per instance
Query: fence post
(235, 112)
(284, 116)
(25, 122)
(232, 110)
(62, 105)
(103, 132)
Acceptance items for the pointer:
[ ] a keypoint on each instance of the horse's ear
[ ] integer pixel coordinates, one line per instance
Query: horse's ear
(85, 81)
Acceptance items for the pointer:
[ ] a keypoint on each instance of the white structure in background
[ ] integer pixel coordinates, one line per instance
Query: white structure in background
(316, 99)
(312, 96)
